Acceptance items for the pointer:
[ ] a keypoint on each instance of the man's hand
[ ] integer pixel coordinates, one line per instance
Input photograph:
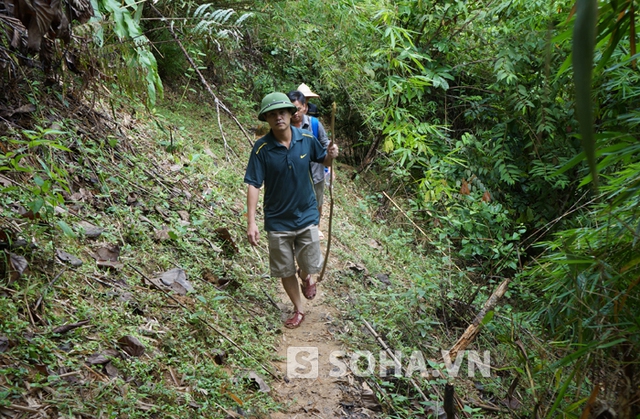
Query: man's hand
(332, 150)
(253, 234)
(332, 153)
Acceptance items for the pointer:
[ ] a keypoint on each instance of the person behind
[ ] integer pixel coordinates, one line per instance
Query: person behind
(300, 119)
(312, 110)
(281, 162)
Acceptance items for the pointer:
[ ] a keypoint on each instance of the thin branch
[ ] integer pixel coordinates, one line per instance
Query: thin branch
(407, 216)
(217, 101)
(53, 281)
(470, 87)
(396, 360)
(224, 139)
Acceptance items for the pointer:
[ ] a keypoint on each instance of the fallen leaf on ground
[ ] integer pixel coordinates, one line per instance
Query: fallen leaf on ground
(91, 231)
(68, 257)
(384, 278)
(228, 245)
(176, 276)
(5, 181)
(356, 267)
(162, 234)
(230, 283)
(131, 345)
(28, 108)
(107, 257)
(512, 403)
(219, 356)
(18, 266)
(24, 213)
(103, 357)
(81, 195)
(178, 289)
(210, 277)
(369, 399)
(107, 264)
(109, 252)
(163, 212)
(111, 370)
(263, 387)
(131, 198)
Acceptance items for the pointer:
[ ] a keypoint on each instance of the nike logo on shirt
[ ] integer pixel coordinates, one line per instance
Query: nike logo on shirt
(302, 156)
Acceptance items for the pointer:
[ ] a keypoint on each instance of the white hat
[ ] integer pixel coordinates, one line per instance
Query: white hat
(306, 91)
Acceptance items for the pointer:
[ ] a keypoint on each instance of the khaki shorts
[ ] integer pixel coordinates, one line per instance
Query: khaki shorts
(319, 190)
(287, 247)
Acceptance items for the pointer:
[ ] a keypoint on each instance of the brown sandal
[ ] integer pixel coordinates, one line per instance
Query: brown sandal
(308, 290)
(294, 321)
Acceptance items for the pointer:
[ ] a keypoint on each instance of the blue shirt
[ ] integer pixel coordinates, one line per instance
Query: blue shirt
(317, 170)
(289, 199)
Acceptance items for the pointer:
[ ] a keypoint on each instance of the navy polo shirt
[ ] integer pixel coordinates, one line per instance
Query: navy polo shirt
(289, 199)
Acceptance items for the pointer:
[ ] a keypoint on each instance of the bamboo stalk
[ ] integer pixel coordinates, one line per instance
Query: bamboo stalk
(449, 401)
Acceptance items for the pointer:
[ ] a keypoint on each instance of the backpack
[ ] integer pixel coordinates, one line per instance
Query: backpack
(314, 126)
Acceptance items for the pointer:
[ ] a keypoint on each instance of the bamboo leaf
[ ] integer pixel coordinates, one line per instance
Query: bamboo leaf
(561, 393)
(584, 35)
(66, 229)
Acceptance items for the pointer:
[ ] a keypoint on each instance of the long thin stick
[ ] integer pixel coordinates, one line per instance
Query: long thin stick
(405, 214)
(331, 179)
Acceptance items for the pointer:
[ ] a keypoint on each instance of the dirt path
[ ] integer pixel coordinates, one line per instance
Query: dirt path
(307, 393)
(309, 397)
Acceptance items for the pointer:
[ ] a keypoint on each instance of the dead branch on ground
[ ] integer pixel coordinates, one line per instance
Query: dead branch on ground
(474, 328)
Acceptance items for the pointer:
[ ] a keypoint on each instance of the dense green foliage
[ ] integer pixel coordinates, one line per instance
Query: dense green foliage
(469, 100)
(466, 113)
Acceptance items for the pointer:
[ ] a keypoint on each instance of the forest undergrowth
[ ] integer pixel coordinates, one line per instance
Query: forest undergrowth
(129, 290)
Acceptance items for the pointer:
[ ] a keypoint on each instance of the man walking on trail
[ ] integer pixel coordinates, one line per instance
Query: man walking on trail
(312, 109)
(300, 119)
(281, 161)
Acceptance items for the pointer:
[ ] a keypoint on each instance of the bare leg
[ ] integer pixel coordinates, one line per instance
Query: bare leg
(292, 289)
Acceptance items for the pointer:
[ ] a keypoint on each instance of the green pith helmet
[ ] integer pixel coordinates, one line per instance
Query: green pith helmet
(274, 101)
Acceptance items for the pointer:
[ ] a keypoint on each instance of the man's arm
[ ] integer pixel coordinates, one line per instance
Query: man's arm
(253, 234)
